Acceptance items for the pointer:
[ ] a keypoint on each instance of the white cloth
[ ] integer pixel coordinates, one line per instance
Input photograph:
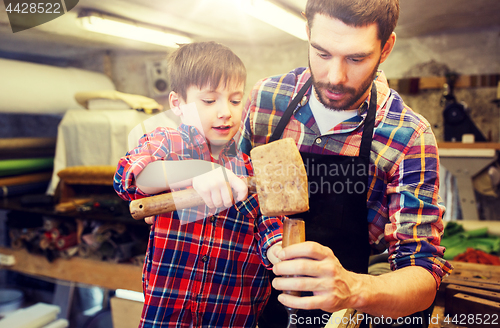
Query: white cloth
(99, 137)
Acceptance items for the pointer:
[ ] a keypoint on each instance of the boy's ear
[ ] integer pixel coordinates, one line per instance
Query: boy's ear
(174, 101)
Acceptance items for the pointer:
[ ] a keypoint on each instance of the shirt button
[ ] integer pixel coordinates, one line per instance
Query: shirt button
(213, 218)
(318, 141)
(204, 259)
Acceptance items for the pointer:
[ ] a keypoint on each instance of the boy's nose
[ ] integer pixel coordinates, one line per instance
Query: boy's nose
(224, 111)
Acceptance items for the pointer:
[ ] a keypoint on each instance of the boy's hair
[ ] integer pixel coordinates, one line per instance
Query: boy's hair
(204, 64)
(384, 13)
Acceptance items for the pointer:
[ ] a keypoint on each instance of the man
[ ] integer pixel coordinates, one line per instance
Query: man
(372, 166)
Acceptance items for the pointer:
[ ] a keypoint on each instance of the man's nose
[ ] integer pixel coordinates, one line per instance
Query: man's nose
(337, 72)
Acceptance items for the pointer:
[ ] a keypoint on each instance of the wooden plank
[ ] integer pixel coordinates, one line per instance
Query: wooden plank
(464, 305)
(85, 271)
(467, 152)
(17, 143)
(461, 282)
(26, 178)
(351, 316)
(437, 316)
(452, 290)
(475, 274)
(495, 269)
(431, 82)
(473, 279)
(476, 145)
(437, 82)
(336, 318)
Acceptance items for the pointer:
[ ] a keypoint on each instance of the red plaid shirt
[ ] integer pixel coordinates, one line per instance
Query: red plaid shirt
(404, 209)
(206, 270)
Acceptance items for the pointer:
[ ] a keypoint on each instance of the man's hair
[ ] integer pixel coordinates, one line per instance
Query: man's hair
(384, 13)
(204, 64)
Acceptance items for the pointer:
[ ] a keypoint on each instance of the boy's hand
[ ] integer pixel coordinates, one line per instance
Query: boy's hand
(149, 219)
(216, 188)
(272, 253)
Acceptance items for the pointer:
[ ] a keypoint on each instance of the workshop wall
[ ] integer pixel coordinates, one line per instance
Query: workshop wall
(465, 53)
(265, 61)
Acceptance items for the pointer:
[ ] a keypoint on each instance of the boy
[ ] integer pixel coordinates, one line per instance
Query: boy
(201, 270)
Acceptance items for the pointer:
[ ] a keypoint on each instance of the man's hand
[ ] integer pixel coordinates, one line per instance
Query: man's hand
(395, 294)
(321, 272)
(216, 188)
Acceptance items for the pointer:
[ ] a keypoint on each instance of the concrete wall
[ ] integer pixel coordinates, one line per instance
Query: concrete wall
(467, 53)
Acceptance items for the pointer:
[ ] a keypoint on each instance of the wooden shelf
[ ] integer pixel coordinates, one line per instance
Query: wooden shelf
(475, 145)
(80, 270)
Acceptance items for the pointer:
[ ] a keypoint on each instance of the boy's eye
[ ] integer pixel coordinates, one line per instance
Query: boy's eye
(236, 102)
(208, 101)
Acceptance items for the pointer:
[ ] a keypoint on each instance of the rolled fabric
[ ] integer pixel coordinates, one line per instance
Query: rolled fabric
(35, 88)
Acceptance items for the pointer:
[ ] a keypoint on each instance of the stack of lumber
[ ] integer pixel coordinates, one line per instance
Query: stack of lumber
(469, 297)
(25, 165)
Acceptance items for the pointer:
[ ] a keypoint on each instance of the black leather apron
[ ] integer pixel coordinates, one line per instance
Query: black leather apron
(338, 212)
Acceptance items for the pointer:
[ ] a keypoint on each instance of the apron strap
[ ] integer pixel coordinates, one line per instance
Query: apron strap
(289, 112)
(366, 140)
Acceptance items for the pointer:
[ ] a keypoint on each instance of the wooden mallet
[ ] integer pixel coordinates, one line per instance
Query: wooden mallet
(280, 181)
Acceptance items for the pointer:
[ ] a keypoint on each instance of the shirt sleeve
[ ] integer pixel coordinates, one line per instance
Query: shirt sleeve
(269, 232)
(245, 143)
(267, 229)
(415, 209)
(157, 145)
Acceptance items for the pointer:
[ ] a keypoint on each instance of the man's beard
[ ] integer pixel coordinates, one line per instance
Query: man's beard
(353, 95)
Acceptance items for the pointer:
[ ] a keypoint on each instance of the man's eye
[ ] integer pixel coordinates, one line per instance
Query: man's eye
(356, 60)
(322, 55)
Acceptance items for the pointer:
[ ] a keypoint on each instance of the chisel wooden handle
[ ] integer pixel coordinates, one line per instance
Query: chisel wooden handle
(294, 232)
(164, 203)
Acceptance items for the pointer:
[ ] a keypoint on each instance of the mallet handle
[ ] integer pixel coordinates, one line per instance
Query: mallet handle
(168, 202)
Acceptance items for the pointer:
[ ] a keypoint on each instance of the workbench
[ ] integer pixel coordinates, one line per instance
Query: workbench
(67, 273)
(464, 274)
(78, 270)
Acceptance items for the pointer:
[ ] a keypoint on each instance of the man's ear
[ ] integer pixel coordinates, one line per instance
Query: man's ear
(389, 45)
(174, 101)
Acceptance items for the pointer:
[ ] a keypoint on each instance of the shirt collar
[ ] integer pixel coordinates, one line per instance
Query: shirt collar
(383, 93)
(192, 135)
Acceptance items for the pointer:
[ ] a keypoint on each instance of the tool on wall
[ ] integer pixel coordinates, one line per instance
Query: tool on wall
(457, 121)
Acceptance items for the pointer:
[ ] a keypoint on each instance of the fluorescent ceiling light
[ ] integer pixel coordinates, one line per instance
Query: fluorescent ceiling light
(105, 24)
(276, 16)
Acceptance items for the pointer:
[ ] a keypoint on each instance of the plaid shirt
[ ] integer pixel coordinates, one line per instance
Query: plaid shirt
(404, 213)
(199, 269)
